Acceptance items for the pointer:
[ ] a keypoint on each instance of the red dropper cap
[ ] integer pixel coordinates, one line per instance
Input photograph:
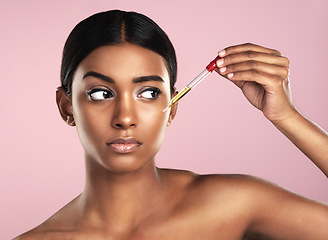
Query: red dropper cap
(212, 65)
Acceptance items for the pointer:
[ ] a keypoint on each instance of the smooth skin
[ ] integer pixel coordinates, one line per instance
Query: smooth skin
(127, 197)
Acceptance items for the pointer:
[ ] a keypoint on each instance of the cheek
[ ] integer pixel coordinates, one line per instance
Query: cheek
(153, 127)
(90, 123)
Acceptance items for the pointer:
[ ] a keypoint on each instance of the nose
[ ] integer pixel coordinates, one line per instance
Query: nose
(124, 113)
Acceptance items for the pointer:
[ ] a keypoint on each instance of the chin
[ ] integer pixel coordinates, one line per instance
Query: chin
(125, 164)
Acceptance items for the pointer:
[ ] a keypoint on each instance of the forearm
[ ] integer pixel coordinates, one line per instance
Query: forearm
(263, 76)
(308, 137)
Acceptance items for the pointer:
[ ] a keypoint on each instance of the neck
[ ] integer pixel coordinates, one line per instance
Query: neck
(125, 197)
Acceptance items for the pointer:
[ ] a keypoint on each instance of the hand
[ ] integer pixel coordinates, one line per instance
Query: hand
(263, 76)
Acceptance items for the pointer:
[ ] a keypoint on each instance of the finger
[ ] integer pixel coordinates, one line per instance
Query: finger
(259, 66)
(253, 56)
(262, 78)
(246, 48)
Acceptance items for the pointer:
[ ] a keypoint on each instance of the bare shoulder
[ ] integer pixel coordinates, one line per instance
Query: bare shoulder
(234, 192)
(33, 234)
(264, 208)
(217, 184)
(236, 185)
(25, 236)
(227, 204)
(231, 189)
(247, 191)
(215, 190)
(249, 187)
(53, 227)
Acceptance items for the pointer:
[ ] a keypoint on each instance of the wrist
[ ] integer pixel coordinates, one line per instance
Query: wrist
(289, 119)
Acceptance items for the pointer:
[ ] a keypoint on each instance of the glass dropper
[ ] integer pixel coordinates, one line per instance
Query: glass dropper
(209, 68)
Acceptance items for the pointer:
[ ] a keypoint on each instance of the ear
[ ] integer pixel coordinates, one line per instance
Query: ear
(173, 110)
(64, 105)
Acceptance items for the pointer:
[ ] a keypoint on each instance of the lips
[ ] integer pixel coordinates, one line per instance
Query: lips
(124, 145)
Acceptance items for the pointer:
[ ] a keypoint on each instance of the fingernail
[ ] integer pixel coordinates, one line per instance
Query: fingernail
(220, 62)
(222, 53)
(222, 70)
(230, 75)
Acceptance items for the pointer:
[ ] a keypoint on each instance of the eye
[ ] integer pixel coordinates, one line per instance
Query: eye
(150, 93)
(100, 94)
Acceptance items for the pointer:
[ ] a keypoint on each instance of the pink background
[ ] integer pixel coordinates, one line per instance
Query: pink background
(216, 130)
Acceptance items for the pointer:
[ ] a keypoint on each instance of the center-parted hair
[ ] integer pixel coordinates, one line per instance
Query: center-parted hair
(112, 28)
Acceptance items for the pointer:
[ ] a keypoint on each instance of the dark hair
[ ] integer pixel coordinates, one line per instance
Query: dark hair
(111, 28)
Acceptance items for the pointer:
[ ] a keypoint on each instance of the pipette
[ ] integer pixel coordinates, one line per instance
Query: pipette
(209, 69)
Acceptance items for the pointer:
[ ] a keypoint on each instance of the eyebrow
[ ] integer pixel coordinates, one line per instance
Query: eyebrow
(155, 78)
(99, 75)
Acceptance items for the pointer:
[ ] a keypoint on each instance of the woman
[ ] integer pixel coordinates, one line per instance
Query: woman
(118, 74)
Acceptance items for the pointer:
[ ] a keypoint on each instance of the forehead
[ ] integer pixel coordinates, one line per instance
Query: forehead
(124, 60)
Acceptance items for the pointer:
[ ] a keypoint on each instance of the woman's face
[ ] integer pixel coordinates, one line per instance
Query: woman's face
(118, 94)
